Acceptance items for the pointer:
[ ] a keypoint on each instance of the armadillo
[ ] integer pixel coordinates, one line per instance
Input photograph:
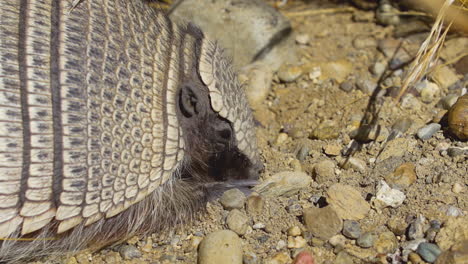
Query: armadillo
(112, 121)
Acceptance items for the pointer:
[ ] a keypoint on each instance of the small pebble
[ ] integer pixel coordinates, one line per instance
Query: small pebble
(351, 229)
(415, 258)
(332, 150)
(282, 137)
(258, 226)
(366, 86)
(294, 231)
(408, 101)
(428, 91)
(295, 209)
(324, 171)
(289, 73)
(457, 188)
(418, 228)
(279, 258)
(448, 101)
(255, 204)
(129, 252)
(431, 234)
(337, 240)
(317, 242)
(232, 199)
(347, 86)
(428, 251)
(428, 131)
(366, 240)
(378, 68)
(347, 202)
(303, 152)
(356, 164)
(453, 211)
(325, 130)
(237, 222)
(296, 242)
(284, 183)
(210, 251)
(249, 258)
(444, 76)
(322, 222)
(315, 74)
(387, 196)
(302, 39)
(281, 244)
(397, 225)
(403, 176)
(386, 243)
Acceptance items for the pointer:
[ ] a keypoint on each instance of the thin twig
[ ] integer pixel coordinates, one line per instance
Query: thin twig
(313, 12)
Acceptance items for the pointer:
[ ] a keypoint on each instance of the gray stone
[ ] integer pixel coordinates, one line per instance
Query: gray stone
(366, 240)
(129, 252)
(453, 211)
(428, 251)
(428, 131)
(210, 251)
(418, 228)
(232, 199)
(347, 86)
(448, 101)
(237, 222)
(351, 229)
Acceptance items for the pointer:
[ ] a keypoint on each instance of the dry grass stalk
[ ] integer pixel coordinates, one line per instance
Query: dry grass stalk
(428, 52)
(314, 12)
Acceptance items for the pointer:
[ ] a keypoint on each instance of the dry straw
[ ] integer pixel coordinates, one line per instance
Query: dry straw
(428, 53)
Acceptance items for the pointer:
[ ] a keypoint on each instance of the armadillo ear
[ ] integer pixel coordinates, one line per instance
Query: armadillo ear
(188, 101)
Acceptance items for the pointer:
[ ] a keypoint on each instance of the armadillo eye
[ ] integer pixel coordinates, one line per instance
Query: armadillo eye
(188, 101)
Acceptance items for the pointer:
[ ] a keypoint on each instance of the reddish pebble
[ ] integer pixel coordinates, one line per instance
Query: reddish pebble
(304, 258)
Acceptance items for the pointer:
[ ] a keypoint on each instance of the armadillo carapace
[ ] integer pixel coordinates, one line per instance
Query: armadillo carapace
(112, 119)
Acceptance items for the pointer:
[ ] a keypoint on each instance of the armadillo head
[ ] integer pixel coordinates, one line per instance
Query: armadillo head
(216, 118)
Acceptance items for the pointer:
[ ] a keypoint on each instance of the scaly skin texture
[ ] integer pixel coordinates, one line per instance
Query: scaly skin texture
(111, 120)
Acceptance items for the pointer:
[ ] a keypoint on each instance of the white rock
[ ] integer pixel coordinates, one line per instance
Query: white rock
(387, 196)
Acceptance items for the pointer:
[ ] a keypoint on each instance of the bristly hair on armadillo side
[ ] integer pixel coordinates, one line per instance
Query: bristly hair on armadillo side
(114, 122)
